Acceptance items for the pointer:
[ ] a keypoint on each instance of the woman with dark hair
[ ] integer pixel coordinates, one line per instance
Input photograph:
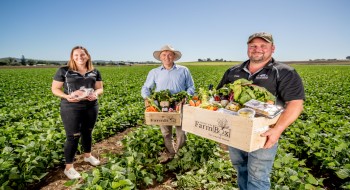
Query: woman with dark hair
(78, 85)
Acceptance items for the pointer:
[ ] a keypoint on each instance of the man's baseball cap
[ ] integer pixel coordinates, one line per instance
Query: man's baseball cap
(264, 35)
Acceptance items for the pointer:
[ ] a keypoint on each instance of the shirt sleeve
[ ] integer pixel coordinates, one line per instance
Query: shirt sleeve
(291, 87)
(60, 75)
(223, 80)
(148, 85)
(98, 75)
(189, 83)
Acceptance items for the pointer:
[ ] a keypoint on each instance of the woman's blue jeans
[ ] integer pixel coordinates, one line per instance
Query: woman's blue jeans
(253, 168)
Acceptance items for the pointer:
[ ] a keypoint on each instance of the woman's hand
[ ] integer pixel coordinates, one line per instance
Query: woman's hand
(98, 91)
(78, 95)
(71, 99)
(92, 96)
(56, 89)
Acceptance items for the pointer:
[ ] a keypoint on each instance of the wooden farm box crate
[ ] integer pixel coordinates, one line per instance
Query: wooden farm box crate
(233, 130)
(163, 118)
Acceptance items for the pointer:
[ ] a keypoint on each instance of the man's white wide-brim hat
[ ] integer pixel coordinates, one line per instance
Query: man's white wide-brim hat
(156, 54)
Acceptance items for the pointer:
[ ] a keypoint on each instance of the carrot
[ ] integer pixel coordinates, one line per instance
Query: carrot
(213, 108)
(198, 102)
(151, 109)
(270, 102)
(192, 103)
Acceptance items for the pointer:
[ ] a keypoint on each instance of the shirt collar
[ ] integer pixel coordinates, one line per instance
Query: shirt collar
(163, 68)
(271, 63)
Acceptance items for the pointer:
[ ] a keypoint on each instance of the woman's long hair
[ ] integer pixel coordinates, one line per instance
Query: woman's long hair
(73, 66)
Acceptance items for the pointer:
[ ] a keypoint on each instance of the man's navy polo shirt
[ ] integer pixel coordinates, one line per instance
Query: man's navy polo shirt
(280, 79)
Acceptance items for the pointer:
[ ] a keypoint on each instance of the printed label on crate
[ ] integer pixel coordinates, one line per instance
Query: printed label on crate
(164, 119)
(219, 130)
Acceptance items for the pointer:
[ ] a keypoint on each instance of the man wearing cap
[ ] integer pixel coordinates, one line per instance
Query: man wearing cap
(283, 81)
(175, 78)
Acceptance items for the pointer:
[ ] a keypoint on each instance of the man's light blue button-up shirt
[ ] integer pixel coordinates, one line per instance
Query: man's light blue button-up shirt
(177, 79)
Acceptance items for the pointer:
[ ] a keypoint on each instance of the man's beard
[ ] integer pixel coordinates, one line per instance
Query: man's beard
(257, 59)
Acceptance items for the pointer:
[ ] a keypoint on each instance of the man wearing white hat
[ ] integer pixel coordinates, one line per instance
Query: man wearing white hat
(175, 78)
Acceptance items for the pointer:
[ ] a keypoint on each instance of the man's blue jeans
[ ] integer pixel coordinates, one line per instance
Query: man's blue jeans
(253, 168)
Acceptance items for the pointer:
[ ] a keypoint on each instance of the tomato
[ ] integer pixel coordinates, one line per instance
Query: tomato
(217, 98)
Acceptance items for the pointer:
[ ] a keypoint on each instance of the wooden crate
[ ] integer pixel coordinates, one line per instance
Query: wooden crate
(163, 118)
(232, 130)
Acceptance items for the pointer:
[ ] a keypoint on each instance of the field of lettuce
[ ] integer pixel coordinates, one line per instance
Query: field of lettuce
(314, 152)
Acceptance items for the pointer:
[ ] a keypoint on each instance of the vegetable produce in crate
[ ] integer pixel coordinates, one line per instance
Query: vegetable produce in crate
(244, 90)
(153, 105)
(152, 109)
(204, 97)
(166, 96)
(194, 102)
(205, 102)
(163, 95)
(179, 97)
(232, 96)
(233, 106)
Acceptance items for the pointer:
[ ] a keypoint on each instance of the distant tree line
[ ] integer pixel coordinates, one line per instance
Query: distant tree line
(347, 58)
(10, 61)
(209, 60)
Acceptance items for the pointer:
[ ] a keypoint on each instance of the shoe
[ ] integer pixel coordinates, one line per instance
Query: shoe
(93, 161)
(166, 157)
(72, 173)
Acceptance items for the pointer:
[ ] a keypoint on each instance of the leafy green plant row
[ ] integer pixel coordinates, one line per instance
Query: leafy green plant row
(138, 166)
(31, 131)
(200, 164)
(28, 107)
(322, 134)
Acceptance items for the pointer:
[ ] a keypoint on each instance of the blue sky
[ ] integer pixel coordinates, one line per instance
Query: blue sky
(131, 30)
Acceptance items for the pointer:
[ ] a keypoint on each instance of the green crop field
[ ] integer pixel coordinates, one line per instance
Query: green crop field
(313, 152)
